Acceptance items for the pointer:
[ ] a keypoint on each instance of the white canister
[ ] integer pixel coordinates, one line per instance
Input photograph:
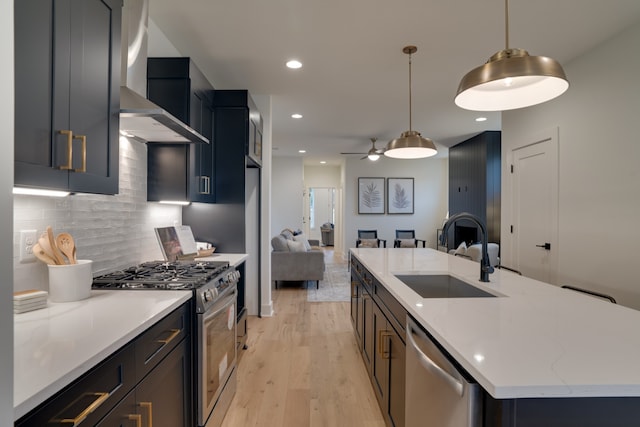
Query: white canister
(70, 282)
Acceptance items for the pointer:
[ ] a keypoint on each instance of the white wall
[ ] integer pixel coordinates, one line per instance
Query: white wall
(431, 201)
(322, 176)
(286, 198)
(113, 231)
(6, 214)
(599, 177)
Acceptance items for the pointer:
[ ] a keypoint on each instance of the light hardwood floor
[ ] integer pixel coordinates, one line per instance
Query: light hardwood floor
(303, 368)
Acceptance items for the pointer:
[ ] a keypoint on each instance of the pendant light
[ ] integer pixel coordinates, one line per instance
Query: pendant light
(511, 79)
(410, 145)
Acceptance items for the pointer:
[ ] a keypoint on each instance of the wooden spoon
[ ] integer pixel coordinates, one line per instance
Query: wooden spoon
(42, 255)
(64, 242)
(57, 255)
(43, 241)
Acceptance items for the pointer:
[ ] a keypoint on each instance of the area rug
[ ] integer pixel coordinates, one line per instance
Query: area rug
(336, 285)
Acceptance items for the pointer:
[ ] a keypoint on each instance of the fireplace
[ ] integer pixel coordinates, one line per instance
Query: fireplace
(462, 233)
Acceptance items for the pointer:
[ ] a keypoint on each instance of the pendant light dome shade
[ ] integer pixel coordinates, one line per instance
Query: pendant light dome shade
(511, 79)
(410, 145)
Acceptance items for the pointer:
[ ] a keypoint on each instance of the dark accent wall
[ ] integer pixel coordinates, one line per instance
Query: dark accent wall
(474, 182)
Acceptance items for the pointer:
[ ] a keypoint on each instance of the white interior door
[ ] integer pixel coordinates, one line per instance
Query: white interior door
(535, 207)
(321, 210)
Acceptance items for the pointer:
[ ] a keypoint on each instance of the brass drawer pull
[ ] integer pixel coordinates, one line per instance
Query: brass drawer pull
(69, 164)
(149, 406)
(383, 348)
(354, 291)
(100, 399)
(83, 140)
(174, 333)
(137, 418)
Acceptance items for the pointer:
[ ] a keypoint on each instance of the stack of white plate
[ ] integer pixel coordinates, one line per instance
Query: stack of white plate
(29, 300)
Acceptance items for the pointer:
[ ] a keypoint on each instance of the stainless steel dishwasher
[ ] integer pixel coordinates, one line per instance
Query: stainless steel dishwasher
(437, 393)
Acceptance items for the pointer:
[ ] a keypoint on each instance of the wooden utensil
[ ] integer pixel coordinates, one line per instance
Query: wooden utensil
(43, 241)
(57, 255)
(42, 255)
(66, 244)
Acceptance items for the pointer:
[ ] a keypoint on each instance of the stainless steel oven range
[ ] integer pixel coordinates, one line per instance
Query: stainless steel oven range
(214, 285)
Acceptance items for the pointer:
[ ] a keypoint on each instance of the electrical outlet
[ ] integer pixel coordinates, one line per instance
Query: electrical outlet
(28, 238)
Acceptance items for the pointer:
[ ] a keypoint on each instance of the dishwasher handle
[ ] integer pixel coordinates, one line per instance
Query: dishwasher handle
(432, 366)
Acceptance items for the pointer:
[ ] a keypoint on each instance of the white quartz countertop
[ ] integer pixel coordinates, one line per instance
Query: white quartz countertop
(234, 260)
(55, 345)
(535, 340)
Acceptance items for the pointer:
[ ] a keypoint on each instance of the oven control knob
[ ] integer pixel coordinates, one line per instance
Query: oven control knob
(206, 296)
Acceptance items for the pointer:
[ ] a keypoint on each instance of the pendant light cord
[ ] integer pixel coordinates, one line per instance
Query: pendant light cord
(506, 23)
(410, 124)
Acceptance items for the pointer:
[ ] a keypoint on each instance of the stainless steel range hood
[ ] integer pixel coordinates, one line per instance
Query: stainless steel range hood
(145, 121)
(140, 118)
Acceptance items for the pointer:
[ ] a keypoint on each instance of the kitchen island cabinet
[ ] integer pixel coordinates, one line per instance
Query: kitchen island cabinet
(67, 82)
(99, 345)
(381, 341)
(542, 355)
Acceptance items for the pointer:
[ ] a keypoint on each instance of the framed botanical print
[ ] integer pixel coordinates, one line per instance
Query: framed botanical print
(400, 195)
(371, 195)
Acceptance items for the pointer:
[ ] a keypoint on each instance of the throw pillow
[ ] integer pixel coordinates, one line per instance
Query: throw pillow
(301, 238)
(368, 243)
(462, 249)
(295, 246)
(288, 234)
(279, 243)
(407, 243)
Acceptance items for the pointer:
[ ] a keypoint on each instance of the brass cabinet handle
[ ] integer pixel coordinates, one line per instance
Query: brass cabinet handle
(83, 140)
(354, 292)
(174, 333)
(69, 164)
(383, 349)
(137, 418)
(149, 406)
(100, 399)
(204, 185)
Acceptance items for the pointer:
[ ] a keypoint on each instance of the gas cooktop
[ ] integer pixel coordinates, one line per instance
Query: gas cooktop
(162, 275)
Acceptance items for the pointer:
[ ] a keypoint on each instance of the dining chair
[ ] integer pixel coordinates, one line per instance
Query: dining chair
(369, 238)
(404, 236)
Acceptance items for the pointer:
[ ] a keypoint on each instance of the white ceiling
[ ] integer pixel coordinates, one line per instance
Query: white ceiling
(354, 81)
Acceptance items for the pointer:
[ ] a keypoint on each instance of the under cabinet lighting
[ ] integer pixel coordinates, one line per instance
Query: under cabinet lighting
(39, 192)
(296, 116)
(174, 202)
(302, 151)
(323, 162)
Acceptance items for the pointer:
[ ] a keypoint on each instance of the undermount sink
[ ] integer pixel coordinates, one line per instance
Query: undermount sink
(441, 286)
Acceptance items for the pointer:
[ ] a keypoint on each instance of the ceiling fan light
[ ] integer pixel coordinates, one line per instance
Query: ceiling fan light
(410, 145)
(373, 156)
(511, 79)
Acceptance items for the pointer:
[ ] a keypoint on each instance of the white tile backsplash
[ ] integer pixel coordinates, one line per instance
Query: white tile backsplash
(113, 231)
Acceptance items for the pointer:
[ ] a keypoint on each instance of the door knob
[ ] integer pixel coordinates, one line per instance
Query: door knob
(546, 246)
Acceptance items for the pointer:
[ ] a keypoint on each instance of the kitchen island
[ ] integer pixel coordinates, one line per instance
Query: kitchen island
(532, 342)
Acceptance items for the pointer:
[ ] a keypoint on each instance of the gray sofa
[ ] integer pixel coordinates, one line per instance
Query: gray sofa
(294, 258)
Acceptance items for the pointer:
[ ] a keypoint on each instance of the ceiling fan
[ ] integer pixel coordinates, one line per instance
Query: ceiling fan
(373, 154)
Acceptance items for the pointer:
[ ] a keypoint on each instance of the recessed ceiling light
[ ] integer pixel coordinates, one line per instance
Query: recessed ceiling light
(302, 151)
(296, 116)
(294, 64)
(481, 119)
(323, 162)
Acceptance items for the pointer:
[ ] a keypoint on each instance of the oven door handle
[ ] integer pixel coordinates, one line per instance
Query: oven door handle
(230, 299)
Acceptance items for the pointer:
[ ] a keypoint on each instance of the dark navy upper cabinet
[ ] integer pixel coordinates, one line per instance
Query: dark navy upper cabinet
(67, 83)
(181, 172)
